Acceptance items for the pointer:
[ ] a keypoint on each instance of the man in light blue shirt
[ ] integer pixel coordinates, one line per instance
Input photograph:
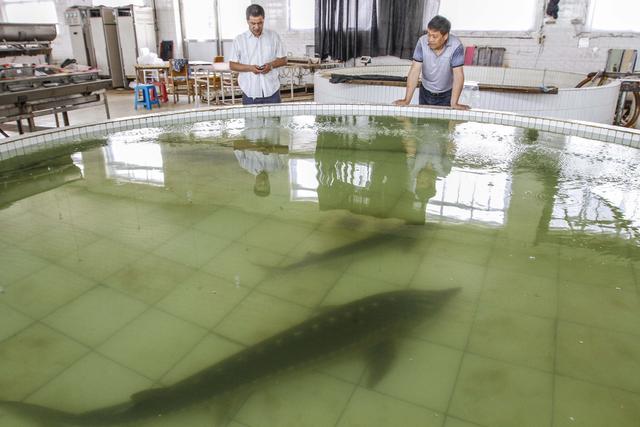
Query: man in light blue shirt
(256, 55)
(439, 59)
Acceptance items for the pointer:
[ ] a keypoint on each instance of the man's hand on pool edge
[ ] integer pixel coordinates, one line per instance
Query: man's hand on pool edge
(401, 102)
(460, 107)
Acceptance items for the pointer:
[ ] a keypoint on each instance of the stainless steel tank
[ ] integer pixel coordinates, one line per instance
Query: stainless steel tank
(27, 32)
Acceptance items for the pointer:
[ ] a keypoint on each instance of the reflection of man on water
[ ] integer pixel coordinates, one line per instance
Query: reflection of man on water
(387, 174)
(259, 152)
(428, 160)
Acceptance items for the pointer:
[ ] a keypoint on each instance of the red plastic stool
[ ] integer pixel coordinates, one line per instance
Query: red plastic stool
(162, 90)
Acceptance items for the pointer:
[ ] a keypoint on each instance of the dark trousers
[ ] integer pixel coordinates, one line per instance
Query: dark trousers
(430, 98)
(273, 99)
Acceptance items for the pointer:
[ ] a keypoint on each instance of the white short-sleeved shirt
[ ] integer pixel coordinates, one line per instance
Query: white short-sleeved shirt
(252, 50)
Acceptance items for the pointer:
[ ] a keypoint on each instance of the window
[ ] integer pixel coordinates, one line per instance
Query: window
(199, 20)
(302, 14)
(233, 19)
(118, 3)
(614, 15)
(490, 15)
(31, 12)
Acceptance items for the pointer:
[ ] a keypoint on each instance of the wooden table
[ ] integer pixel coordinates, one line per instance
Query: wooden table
(161, 69)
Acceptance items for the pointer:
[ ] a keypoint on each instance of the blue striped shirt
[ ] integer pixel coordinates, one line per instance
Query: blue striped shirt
(437, 74)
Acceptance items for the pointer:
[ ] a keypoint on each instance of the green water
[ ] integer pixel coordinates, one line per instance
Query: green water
(135, 261)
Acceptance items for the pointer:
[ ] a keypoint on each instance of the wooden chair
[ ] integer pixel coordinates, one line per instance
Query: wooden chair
(179, 81)
(209, 86)
(229, 83)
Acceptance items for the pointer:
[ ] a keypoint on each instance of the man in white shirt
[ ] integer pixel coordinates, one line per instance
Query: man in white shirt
(256, 55)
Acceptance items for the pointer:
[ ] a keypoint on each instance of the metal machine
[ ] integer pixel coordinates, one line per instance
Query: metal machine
(94, 40)
(26, 39)
(136, 30)
(25, 98)
(77, 18)
(28, 91)
(104, 32)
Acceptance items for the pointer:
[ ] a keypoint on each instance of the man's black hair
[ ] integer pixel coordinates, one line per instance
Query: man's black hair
(255, 10)
(439, 23)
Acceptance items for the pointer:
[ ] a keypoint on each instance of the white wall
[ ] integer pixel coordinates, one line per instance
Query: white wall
(276, 19)
(559, 49)
(169, 25)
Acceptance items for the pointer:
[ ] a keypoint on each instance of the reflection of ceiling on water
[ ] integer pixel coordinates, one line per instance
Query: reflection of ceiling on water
(139, 163)
(471, 196)
(357, 174)
(476, 194)
(76, 158)
(370, 165)
(303, 181)
(370, 128)
(136, 135)
(303, 133)
(463, 195)
(485, 145)
(602, 209)
(254, 129)
(598, 190)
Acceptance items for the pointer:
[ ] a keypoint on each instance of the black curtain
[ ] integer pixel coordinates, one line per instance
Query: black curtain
(553, 8)
(348, 29)
(399, 27)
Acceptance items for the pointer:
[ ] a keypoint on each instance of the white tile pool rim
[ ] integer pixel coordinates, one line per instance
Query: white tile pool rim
(28, 143)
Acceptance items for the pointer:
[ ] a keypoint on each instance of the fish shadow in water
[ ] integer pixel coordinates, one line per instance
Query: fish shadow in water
(371, 325)
(340, 256)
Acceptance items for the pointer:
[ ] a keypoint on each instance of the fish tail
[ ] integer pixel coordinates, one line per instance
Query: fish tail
(49, 416)
(41, 413)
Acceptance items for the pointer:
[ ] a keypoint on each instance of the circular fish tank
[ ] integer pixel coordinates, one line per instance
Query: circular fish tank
(321, 265)
(531, 92)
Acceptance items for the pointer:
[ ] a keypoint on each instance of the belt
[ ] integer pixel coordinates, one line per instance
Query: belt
(437, 95)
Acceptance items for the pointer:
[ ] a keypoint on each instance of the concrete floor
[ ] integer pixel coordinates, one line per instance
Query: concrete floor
(120, 103)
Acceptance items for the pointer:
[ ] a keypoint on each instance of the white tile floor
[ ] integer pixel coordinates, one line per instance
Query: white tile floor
(121, 105)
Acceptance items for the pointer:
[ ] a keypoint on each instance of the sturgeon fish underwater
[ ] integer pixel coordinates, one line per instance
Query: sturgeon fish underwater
(356, 247)
(371, 324)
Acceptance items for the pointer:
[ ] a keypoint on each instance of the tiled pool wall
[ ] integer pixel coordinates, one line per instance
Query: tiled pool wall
(593, 104)
(32, 142)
